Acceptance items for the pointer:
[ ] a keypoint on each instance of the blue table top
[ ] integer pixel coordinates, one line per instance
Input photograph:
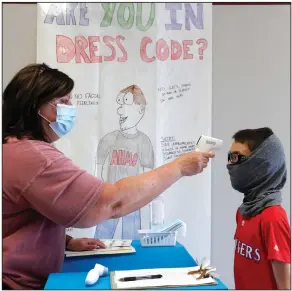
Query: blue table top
(75, 269)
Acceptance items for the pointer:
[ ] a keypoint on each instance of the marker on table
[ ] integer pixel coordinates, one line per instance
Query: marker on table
(126, 279)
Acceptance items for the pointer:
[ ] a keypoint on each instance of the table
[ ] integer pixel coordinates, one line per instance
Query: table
(75, 269)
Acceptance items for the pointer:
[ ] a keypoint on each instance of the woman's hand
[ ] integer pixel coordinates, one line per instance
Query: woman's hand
(193, 163)
(84, 244)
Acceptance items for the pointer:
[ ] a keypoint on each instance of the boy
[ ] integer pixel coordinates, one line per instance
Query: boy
(257, 168)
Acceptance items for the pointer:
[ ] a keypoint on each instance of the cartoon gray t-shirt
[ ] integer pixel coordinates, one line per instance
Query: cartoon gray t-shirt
(123, 155)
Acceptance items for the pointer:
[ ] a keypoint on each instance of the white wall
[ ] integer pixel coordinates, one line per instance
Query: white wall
(251, 88)
(19, 38)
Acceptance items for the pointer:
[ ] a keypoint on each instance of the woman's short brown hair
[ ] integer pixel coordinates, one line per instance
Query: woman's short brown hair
(30, 88)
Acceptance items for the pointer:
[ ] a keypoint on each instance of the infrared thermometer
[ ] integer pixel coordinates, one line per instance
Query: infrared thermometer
(207, 143)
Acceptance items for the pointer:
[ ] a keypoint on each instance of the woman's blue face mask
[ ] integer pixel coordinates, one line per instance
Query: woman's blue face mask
(65, 119)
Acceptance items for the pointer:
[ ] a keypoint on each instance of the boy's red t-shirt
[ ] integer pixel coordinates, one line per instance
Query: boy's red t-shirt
(258, 241)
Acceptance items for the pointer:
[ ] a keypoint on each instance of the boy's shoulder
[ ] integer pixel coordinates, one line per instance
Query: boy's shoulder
(269, 214)
(273, 214)
(276, 209)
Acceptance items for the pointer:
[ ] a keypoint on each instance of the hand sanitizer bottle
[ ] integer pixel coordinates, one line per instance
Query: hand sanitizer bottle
(156, 212)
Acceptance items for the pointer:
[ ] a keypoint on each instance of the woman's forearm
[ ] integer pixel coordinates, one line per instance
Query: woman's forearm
(131, 193)
(136, 192)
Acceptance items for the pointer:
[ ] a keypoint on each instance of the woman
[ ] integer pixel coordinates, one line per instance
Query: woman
(44, 192)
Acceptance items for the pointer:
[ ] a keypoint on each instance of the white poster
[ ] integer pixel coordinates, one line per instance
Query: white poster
(143, 81)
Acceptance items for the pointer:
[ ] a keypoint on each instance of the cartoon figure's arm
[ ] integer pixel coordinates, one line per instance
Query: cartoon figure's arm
(98, 171)
(147, 157)
(103, 169)
(102, 156)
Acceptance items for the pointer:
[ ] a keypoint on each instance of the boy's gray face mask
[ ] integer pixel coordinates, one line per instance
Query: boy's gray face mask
(244, 176)
(261, 176)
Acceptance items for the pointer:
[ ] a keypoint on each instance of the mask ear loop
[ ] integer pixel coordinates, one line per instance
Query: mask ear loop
(39, 113)
(43, 117)
(52, 104)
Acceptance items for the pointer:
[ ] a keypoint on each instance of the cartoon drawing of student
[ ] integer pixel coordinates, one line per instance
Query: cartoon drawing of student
(124, 152)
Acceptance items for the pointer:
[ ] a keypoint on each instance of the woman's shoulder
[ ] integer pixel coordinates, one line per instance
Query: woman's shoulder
(31, 149)
(23, 161)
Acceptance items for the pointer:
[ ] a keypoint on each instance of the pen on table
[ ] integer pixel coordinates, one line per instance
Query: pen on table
(126, 279)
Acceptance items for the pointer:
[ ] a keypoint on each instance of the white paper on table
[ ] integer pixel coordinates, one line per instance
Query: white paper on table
(113, 246)
(110, 243)
(170, 277)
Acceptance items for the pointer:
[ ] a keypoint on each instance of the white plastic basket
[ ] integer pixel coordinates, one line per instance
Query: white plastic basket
(157, 239)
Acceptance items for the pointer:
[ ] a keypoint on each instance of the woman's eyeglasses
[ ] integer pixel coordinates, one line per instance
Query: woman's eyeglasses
(236, 158)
